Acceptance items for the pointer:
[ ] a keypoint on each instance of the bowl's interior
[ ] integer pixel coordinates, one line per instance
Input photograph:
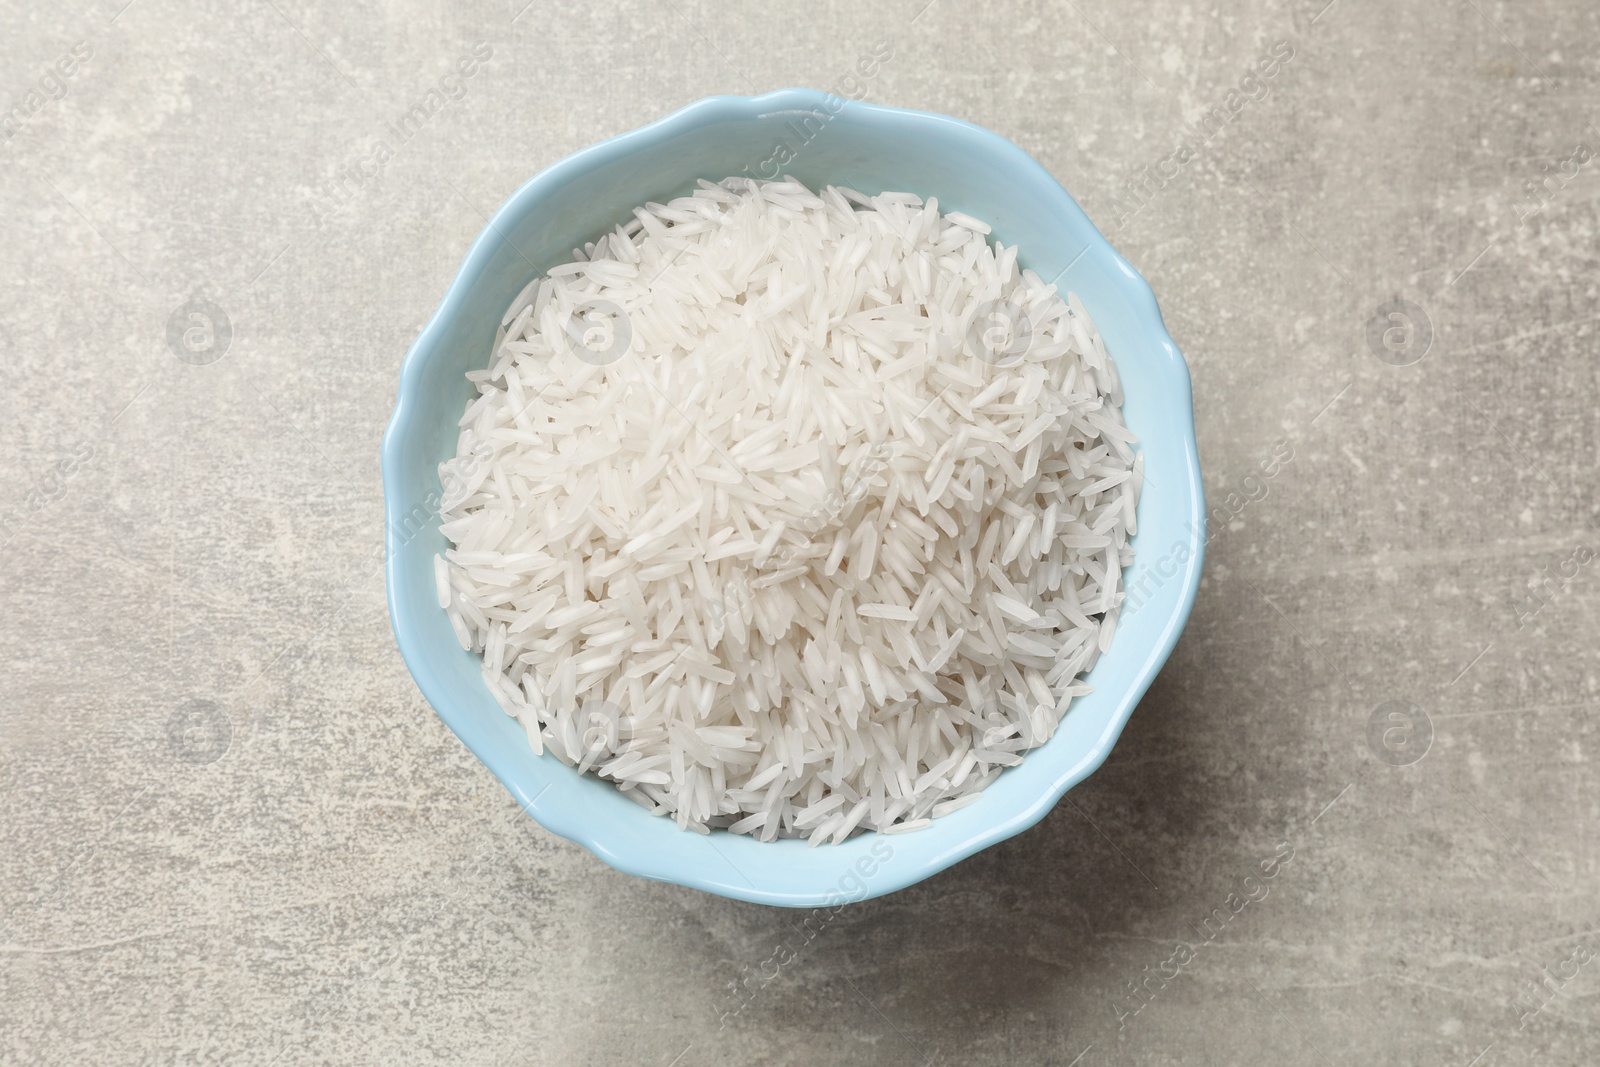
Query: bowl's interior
(820, 142)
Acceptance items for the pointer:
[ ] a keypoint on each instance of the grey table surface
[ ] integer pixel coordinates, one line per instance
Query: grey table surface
(234, 831)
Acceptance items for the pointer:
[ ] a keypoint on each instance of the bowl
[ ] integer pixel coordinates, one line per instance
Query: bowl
(820, 139)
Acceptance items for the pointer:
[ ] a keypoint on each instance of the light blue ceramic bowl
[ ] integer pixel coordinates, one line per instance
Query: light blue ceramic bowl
(819, 139)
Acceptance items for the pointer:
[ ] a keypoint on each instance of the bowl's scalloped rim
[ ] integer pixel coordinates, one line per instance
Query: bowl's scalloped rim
(657, 866)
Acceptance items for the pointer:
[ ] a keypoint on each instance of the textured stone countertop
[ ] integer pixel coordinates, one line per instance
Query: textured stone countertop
(234, 831)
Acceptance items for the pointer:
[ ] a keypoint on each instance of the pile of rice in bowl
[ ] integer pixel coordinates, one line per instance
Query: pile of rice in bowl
(791, 513)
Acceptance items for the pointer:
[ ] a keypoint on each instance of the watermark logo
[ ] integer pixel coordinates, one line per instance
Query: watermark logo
(598, 332)
(1551, 182)
(600, 732)
(199, 732)
(804, 127)
(1254, 487)
(1400, 332)
(851, 887)
(1000, 333)
(353, 177)
(455, 477)
(51, 86)
(1195, 137)
(199, 332)
(1545, 587)
(51, 487)
(1144, 988)
(1551, 983)
(737, 599)
(1399, 733)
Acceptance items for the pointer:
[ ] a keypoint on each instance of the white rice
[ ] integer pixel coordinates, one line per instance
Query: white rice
(761, 516)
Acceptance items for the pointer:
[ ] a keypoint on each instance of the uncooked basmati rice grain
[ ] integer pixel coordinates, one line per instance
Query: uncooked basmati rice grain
(791, 514)
(441, 580)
